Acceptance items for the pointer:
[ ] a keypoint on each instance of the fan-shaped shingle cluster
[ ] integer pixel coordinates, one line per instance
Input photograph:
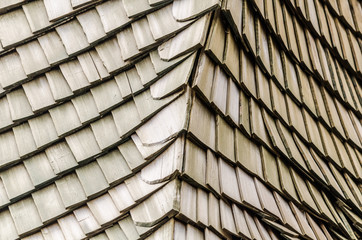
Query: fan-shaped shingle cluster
(183, 119)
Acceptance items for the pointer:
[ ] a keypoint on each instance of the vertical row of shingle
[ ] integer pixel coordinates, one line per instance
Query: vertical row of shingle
(300, 120)
(292, 77)
(297, 109)
(223, 179)
(264, 165)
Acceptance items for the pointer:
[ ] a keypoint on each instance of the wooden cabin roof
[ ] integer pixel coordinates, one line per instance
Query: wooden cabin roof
(180, 119)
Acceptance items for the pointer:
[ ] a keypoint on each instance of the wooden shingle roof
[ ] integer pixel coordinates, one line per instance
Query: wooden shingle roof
(180, 119)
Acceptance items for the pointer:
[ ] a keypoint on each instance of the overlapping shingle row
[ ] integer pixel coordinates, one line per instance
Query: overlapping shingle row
(180, 119)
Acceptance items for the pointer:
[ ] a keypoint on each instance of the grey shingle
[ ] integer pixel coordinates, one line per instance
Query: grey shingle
(39, 169)
(83, 144)
(127, 43)
(106, 95)
(90, 69)
(112, 15)
(142, 34)
(5, 118)
(56, 10)
(38, 93)
(86, 220)
(53, 47)
(8, 230)
(8, 148)
(91, 25)
(25, 215)
(103, 209)
(194, 8)
(60, 157)
(92, 173)
(70, 227)
(70, 190)
(24, 139)
(65, 125)
(73, 36)
(111, 55)
(123, 124)
(32, 57)
(36, 14)
(134, 8)
(16, 181)
(173, 47)
(86, 107)
(163, 24)
(43, 130)
(174, 80)
(58, 85)
(11, 70)
(105, 131)
(48, 203)
(20, 27)
(107, 163)
(74, 75)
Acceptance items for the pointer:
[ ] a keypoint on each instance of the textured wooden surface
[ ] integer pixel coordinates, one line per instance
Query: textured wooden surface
(183, 119)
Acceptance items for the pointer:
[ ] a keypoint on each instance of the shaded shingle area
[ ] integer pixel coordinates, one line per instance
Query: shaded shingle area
(180, 119)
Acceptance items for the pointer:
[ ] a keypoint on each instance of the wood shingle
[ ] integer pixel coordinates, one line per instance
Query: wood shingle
(180, 119)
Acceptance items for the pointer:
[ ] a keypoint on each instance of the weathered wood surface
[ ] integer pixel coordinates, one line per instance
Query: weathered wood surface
(183, 119)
